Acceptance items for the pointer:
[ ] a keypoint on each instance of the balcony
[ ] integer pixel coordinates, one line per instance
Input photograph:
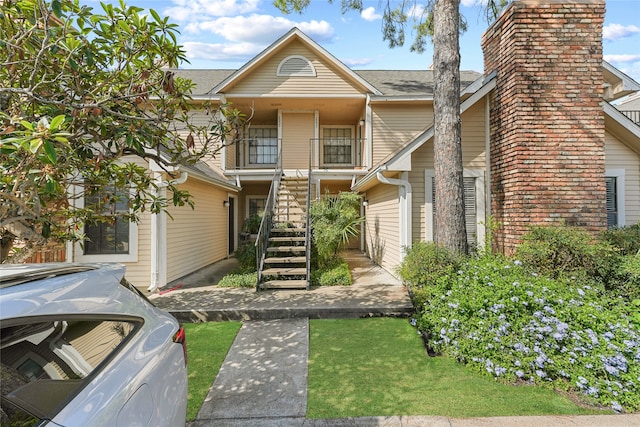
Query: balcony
(326, 153)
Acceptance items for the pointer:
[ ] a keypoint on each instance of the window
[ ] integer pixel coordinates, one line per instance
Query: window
(111, 235)
(47, 361)
(473, 202)
(263, 146)
(337, 146)
(256, 206)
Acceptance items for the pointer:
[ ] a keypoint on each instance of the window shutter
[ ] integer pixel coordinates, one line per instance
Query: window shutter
(612, 202)
(470, 210)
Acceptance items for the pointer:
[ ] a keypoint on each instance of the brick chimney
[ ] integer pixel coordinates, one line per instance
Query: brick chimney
(546, 122)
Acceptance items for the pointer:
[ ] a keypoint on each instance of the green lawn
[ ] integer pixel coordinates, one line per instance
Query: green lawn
(207, 346)
(364, 367)
(375, 367)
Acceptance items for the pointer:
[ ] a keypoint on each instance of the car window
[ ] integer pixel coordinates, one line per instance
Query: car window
(44, 363)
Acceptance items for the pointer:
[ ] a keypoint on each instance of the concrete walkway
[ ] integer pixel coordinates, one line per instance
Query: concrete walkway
(263, 380)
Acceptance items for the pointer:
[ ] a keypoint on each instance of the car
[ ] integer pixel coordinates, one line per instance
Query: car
(81, 346)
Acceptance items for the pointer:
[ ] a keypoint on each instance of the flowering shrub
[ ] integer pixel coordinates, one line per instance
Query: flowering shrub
(501, 319)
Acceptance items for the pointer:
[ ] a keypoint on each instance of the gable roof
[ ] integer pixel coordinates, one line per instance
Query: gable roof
(293, 34)
(399, 159)
(409, 82)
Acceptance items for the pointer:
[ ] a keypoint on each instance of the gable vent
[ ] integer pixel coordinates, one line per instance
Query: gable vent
(296, 66)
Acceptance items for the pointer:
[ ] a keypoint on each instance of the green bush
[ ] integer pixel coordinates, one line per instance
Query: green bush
(336, 275)
(239, 280)
(334, 220)
(246, 256)
(500, 319)
(565, 251)
(627, 239)
(425, 262)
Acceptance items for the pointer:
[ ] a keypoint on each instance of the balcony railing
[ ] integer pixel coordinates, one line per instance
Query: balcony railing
(326, 153)
(634, 115)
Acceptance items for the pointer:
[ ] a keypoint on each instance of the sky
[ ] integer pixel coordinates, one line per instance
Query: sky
(228, 33)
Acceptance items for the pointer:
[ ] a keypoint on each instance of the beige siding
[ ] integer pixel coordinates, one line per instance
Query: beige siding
(619, 156)
(382, 226)
(393, 126)
(198, 237)
(139, 273)
(297, 131)
(265, 80)
(473, 157)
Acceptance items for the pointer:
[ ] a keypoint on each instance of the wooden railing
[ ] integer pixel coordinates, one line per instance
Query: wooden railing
(307, 231)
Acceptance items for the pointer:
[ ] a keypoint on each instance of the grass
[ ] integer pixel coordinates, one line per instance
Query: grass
(207, 346)
(366, 367)
(377, 367)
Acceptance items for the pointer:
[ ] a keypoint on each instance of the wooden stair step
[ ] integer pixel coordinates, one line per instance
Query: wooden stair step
(288, 239)
(288, 230)
(286, 260)
(287, 249)
(288, 271)
(284, 284)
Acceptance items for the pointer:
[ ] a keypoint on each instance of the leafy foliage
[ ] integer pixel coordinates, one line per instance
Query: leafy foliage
(334, 220)
(246, 256)
(337, 274)
(561, 251)
(549, 318)
(425, 262)
(83, 96)
(239, 280)
(497, 317)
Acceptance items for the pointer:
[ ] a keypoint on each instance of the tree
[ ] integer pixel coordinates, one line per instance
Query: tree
(440, 20)
(80, 93)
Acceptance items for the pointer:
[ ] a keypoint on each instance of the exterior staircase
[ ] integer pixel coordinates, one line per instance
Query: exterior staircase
(285, 263)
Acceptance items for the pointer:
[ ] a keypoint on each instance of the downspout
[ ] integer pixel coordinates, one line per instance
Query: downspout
(405, 202)
(159, 234)
(487, 178)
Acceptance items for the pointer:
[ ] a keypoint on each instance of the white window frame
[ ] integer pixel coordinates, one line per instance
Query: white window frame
(618, 174)
(481, 211)
(132, 256)
(247, 201)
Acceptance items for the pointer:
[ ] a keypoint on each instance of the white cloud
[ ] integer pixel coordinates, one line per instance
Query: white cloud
(357, 62)
(195, 10)
(617, 31)
(259, 29)
(369, 14)
(622, 58)
(235, 52)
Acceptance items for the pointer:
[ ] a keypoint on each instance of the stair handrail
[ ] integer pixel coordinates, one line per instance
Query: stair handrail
(262, 241)
(307, 233)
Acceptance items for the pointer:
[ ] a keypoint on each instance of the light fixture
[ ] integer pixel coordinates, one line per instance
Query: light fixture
(365, 203)
(225, 203)
(361, 122)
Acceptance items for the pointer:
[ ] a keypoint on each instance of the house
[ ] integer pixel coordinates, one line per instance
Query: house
(541, 144)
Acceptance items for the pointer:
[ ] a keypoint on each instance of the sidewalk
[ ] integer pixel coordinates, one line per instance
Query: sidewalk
(263, 380)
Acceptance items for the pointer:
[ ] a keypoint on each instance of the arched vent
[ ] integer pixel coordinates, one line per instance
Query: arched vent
(296, 66)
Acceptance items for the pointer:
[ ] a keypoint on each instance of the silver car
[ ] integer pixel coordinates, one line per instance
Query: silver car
(81, 347)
